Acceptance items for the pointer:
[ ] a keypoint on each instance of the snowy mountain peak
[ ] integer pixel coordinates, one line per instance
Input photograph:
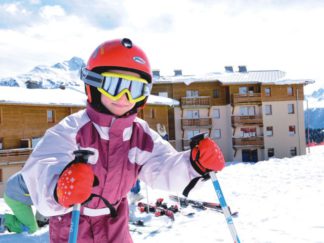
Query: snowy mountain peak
(318, 94)
(75, 63)
(64, 73)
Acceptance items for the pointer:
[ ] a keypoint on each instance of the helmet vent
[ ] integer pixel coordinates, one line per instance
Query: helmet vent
(127, 43)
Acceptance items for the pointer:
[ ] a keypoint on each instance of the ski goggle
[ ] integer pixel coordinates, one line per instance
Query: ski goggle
(115, 85)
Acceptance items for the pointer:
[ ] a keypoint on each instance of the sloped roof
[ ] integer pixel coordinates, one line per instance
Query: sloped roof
(70, 96)
(230, 78)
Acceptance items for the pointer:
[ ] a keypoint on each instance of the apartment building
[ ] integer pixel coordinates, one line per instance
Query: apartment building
(252, 115)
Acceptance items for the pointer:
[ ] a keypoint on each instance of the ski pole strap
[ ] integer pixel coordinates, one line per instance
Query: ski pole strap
(193, 183)
(113, 211)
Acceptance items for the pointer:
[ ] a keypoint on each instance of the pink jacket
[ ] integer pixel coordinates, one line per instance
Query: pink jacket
(125, 148)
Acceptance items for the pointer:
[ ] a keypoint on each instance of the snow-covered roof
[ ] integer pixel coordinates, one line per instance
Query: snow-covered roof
(276, 77)
(70, 96)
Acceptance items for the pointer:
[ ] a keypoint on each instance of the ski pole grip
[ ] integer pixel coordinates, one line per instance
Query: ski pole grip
(82, 155)
(194, 141)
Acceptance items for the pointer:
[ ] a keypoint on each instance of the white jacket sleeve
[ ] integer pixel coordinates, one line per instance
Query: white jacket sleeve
(47, 161)
(165, 168)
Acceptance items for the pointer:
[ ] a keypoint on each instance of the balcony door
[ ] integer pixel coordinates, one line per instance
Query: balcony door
(250, 155)
(192, 93)
(247, 111)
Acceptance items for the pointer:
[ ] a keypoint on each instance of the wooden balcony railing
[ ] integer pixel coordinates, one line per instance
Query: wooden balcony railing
(19, 154)
(199, 101)
(247, 120)
(250, 98)
(196, 122)
(249, 141)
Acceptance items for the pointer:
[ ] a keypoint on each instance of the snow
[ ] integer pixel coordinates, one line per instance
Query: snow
(279, 200)
(70, 96)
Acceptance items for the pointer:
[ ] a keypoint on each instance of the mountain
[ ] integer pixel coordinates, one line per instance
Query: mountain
(314, 113)
(65, 73)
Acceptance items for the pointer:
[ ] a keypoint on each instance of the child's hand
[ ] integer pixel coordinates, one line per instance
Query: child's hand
(207, 156)
(75, 184)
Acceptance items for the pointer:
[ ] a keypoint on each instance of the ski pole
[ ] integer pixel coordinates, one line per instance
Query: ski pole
(224, 206)
(73, 236)
(194, 141)
(80, 156)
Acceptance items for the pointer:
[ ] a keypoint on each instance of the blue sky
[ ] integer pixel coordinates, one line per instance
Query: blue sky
(196, 36)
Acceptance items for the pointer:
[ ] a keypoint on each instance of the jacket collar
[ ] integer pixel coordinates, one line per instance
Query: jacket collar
(106, 120)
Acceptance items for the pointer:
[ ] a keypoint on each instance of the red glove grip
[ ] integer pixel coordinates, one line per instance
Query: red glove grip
(210, 156)
(75, 184)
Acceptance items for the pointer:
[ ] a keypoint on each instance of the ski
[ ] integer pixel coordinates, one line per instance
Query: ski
(185, 202)
(158, 210)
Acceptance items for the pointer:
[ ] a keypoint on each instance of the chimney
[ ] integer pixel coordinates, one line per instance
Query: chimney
(228, 69)
(242, 69)
(177, 72)
(156, 73)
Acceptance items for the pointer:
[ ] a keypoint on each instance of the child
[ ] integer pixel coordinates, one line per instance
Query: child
(118, 81)
(17, 198)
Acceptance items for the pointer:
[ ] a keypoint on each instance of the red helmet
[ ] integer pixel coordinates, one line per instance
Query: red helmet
(119, 54)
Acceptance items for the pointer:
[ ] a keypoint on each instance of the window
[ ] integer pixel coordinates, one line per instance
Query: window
(193, 114)
(248, 132)
(267, 91)
(269, 131)
(247, 111)
(292, 130)
(152, 113)
(1, 179)
(216, 93)
(192, 133)
(217, 133)
(251, 90)
(216, 113)
(270, 152)
(1, 143)
(50, 116)
(163, 94)
(291, 109)
(293, 151)
(268, 109)
(243, 90)
(290, 91)
(192, 93)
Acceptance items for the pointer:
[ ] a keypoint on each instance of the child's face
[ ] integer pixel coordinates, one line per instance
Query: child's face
(122, 105)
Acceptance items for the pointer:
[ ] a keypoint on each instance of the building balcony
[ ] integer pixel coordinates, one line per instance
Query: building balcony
(247, 120)
(248, 142)
(14, 155)
(249, 98)
(190, 123)
(196, 102)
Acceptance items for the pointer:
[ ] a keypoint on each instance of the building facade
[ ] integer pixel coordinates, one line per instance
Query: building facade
(252, 115)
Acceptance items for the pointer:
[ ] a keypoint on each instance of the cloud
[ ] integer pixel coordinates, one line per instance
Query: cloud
(100, 13)
(13, 14)
(50, 12)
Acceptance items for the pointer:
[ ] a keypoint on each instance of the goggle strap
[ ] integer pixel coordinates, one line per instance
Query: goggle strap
(91, 78)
